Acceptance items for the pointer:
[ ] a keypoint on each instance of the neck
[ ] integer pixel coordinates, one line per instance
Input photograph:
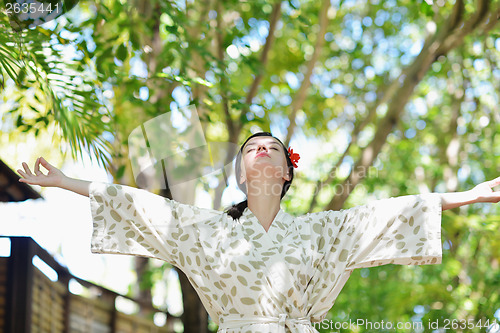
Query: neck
(264, 201)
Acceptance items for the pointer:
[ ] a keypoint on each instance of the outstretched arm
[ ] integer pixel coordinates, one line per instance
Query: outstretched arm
(54, 178)
(480, 193)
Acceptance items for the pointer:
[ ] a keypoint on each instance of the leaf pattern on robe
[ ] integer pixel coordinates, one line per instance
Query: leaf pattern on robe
(298, 267)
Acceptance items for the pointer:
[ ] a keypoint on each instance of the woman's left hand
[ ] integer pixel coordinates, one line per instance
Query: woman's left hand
(485, 193)
(480, 193)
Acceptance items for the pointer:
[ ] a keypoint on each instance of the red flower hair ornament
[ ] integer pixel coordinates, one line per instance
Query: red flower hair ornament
(294, 157)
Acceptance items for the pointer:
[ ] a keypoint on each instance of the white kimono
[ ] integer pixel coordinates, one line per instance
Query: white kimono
(250, 280)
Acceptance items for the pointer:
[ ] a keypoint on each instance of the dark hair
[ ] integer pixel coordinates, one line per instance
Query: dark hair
(235, 211)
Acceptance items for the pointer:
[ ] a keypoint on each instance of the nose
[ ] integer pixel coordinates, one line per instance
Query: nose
(261, 146)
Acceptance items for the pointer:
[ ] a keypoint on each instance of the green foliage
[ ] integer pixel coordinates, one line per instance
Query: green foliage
(50, 89)
(445, 140)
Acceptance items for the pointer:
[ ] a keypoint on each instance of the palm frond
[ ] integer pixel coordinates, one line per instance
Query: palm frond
(34, 59)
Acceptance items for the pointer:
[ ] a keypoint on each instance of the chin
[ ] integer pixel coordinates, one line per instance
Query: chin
(264, 171)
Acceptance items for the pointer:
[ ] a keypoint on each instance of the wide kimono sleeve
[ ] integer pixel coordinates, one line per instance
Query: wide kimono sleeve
(403, 230)
(131, 221)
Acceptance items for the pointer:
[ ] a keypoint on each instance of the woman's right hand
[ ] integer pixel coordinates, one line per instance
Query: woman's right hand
(54, 177)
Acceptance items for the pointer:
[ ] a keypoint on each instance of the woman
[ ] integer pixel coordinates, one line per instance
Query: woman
(255, 267)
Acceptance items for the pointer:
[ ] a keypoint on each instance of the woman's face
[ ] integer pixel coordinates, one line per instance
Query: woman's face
(263, 157)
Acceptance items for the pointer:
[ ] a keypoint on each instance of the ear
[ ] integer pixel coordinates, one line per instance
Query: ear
(286, 176)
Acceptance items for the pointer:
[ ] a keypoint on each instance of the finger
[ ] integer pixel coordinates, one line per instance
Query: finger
(46, 164)
(25, 177)
(27, 169)
(36, 169)
(24, 180)
(27, 181)
(19, 171)
(494, 182)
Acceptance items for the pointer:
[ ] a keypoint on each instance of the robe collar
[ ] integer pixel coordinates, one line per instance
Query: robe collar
(268, 249)
(283, 224)
(249, 215)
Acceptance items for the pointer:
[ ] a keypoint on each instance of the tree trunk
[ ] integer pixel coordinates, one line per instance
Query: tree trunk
(234, 128)
(194, 317)
(451, 35)
(143, 289)
(300, 97)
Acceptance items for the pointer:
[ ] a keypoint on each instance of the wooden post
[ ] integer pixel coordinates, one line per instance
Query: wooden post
(64, 278)
(20, 285)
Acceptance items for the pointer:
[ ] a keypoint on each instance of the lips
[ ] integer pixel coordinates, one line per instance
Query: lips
(262, 154)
